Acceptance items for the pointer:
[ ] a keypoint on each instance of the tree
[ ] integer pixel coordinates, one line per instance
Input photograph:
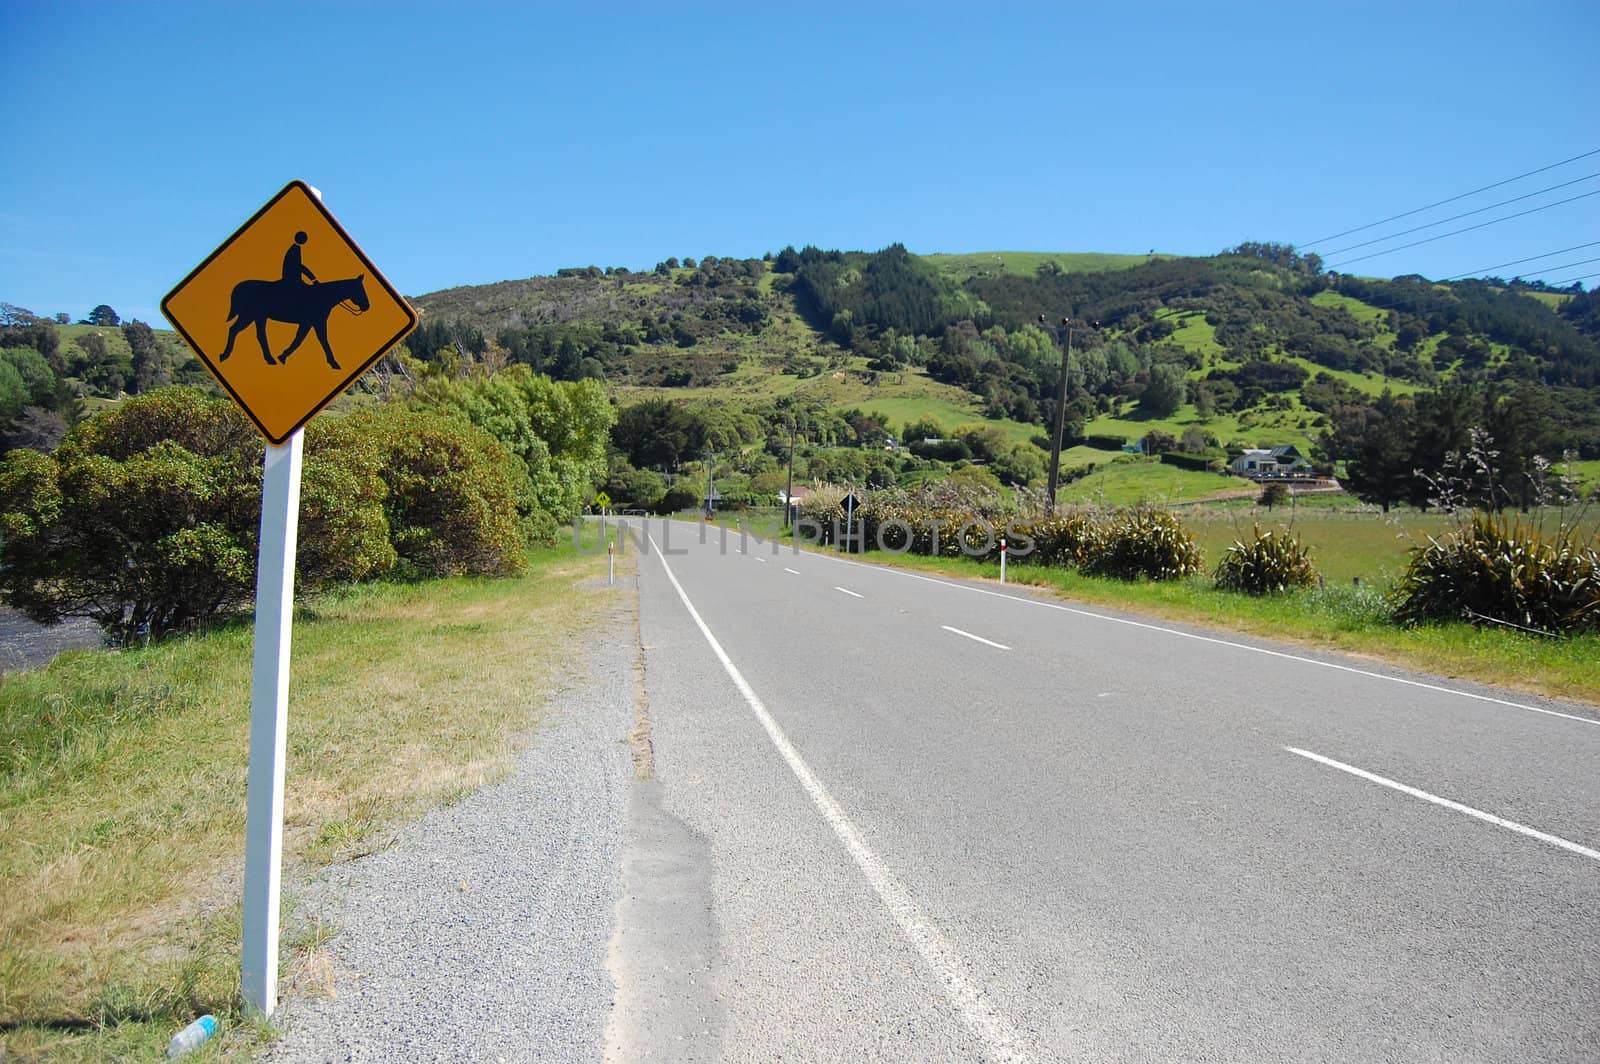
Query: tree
(149, 360)
(37, 429)
(13, 392)
(104, 372)
(922, 429)
(37, 378)
(1166, 391)
(1273, 495)
(1378, 444)
(145, 519)
(102, 315)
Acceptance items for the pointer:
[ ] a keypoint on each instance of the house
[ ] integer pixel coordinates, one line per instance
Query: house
(798, 496)
(1271, 462)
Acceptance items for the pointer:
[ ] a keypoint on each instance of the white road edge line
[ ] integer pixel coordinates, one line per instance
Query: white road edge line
(796, 572)
(970, 1000)
(1488, 818)
(1209, 639)
(847, 591)
(979, 638)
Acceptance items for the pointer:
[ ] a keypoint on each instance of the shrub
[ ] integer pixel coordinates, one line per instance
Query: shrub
(1142, 541)
(1271, 562)
(561, 430)
(1106, 443)
(1060, 540)
(1495, 570)
(1273, 495)
(679, 498)
(453, 494)
(1203, 463)
(145, 519)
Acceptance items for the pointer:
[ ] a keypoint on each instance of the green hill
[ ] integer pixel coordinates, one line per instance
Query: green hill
(1257, 346)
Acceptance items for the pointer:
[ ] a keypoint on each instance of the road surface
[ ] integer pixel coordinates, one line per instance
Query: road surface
(901, 818)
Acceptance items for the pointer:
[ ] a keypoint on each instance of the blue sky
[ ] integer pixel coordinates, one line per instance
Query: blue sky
(465, 143)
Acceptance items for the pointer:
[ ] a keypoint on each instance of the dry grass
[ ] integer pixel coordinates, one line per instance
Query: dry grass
(122, 788)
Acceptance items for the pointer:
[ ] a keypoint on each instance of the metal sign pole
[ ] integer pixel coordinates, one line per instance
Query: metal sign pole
(269, 721)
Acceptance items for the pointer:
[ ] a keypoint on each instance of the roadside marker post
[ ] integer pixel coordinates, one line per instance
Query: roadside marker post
(259, 277)
(1002, 559)
(611, 564)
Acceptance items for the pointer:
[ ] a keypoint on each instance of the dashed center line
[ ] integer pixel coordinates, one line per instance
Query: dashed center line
(847, 591)
(978, 638)
(796, 572)
(1488, 818)
(760, 559)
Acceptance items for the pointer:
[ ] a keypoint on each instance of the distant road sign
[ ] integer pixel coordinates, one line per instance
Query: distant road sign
(602, 500)
(290, 279)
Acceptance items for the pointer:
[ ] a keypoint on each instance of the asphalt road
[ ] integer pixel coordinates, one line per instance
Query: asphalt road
(901, 818)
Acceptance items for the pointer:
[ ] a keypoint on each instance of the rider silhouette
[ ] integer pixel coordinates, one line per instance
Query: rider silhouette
(292, 266)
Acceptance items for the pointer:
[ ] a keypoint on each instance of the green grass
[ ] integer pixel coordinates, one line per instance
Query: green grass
(1586, 472)
(1260, 427)
(1194, 333)
(1358, 310)
(1553, 300)
(1027, 263)
(1365, 383)
(1144, 480)
(122, 799)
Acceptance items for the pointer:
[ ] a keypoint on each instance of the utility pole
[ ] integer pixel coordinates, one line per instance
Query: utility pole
(788, 493)
(1061, 412)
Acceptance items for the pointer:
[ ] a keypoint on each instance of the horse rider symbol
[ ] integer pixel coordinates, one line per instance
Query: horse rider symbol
(294, 302)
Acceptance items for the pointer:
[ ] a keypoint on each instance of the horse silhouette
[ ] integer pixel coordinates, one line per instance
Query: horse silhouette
(306, 305)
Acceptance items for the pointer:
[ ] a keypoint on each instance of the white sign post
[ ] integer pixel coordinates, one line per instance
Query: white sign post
(269, 722)
(279, 404)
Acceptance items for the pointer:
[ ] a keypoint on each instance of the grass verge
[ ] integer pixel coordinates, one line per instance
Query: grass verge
(1347, 619)
(122, 791)
(1342, 617)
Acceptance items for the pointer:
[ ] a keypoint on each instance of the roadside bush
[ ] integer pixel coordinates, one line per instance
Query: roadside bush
(677, 499)
(1271, 561)
(1062, 540)
(1499, 570)
(1142, 541)
(1105, 443)
(453, 491)
(561, 431)
(146, 518)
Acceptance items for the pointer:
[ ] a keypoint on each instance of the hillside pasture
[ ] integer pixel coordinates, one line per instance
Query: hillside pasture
(1027, 263)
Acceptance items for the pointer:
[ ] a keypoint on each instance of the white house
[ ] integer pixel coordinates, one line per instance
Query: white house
(1271, 462)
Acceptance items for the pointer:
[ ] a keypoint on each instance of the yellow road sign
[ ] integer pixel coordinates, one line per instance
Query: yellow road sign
(288, 312)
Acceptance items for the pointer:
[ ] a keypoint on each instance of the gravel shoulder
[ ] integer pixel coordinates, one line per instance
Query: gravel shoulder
(482, 932)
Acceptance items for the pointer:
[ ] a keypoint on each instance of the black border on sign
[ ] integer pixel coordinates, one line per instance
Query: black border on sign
(351, 378)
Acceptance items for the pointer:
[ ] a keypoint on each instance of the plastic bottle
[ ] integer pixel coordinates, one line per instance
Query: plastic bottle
(192, 1036)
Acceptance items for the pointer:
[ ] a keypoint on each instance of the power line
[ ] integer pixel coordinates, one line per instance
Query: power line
(1575, 280)
(1567, 265)
(1467, 229)
(1452, 199)
(1463, 214)
(1518, 262)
